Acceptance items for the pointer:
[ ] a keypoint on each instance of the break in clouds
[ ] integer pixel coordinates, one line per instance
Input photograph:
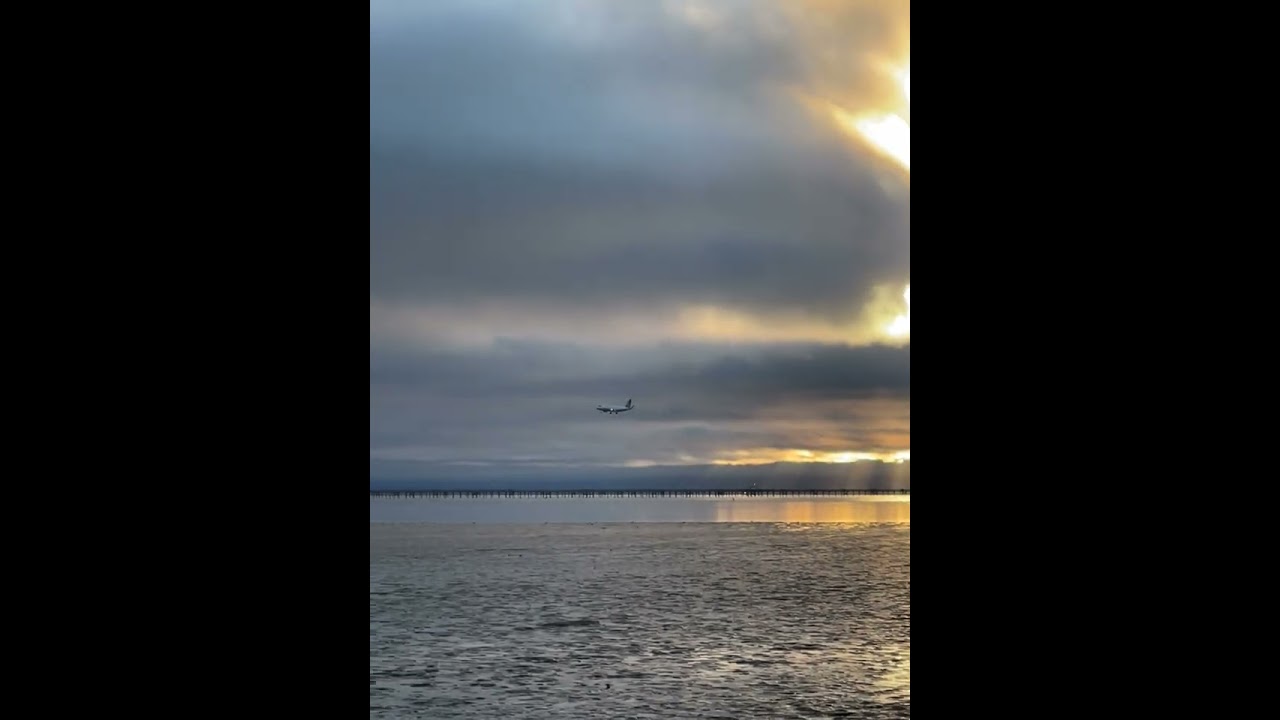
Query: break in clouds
(578, 202)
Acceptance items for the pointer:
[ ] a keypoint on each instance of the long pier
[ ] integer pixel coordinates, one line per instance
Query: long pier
(753, 492)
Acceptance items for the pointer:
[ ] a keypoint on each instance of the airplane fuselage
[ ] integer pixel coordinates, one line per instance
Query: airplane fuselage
(614, 409)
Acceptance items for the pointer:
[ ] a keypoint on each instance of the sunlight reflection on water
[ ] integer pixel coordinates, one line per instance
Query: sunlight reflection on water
(868, 509)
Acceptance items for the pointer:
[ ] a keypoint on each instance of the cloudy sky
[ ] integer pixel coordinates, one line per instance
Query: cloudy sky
(700, 205)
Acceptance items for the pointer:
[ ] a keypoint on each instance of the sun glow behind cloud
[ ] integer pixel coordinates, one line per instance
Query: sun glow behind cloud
(891, 135)
(480, 325)
(888, 132)
(901, 325)
(767, 456)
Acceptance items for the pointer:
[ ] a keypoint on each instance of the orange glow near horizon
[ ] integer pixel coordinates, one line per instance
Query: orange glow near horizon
(768, 456)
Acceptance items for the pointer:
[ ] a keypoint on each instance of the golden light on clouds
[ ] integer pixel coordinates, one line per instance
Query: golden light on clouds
(640, 463)
(768, 456)
(481, 325)
(881, 319)
(697, 14)
(703, 322)
(890, 134)
(887, 132)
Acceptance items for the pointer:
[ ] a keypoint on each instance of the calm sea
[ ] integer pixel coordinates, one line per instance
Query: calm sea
(640, 608)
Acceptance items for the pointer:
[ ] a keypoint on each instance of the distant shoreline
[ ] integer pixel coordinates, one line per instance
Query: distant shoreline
(616, 493)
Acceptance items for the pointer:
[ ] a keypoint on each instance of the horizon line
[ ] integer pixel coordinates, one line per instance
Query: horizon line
(638, 491)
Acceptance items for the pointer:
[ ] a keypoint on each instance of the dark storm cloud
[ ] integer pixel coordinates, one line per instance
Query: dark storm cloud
(693, 382)
(555, 154)
(527, 403)
(822, 372)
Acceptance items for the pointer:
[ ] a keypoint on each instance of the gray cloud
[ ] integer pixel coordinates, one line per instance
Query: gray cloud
(653, 165)
(536, 401)
(589, 171)
(708, 374)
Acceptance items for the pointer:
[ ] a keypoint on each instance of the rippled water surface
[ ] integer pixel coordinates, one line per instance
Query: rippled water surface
(640, 620)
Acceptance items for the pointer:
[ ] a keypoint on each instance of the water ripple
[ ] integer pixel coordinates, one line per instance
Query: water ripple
(640, 620)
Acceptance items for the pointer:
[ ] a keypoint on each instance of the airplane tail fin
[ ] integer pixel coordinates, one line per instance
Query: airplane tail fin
(628, 402)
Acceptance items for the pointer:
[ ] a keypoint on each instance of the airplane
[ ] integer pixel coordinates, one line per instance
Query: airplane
(614, 409)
